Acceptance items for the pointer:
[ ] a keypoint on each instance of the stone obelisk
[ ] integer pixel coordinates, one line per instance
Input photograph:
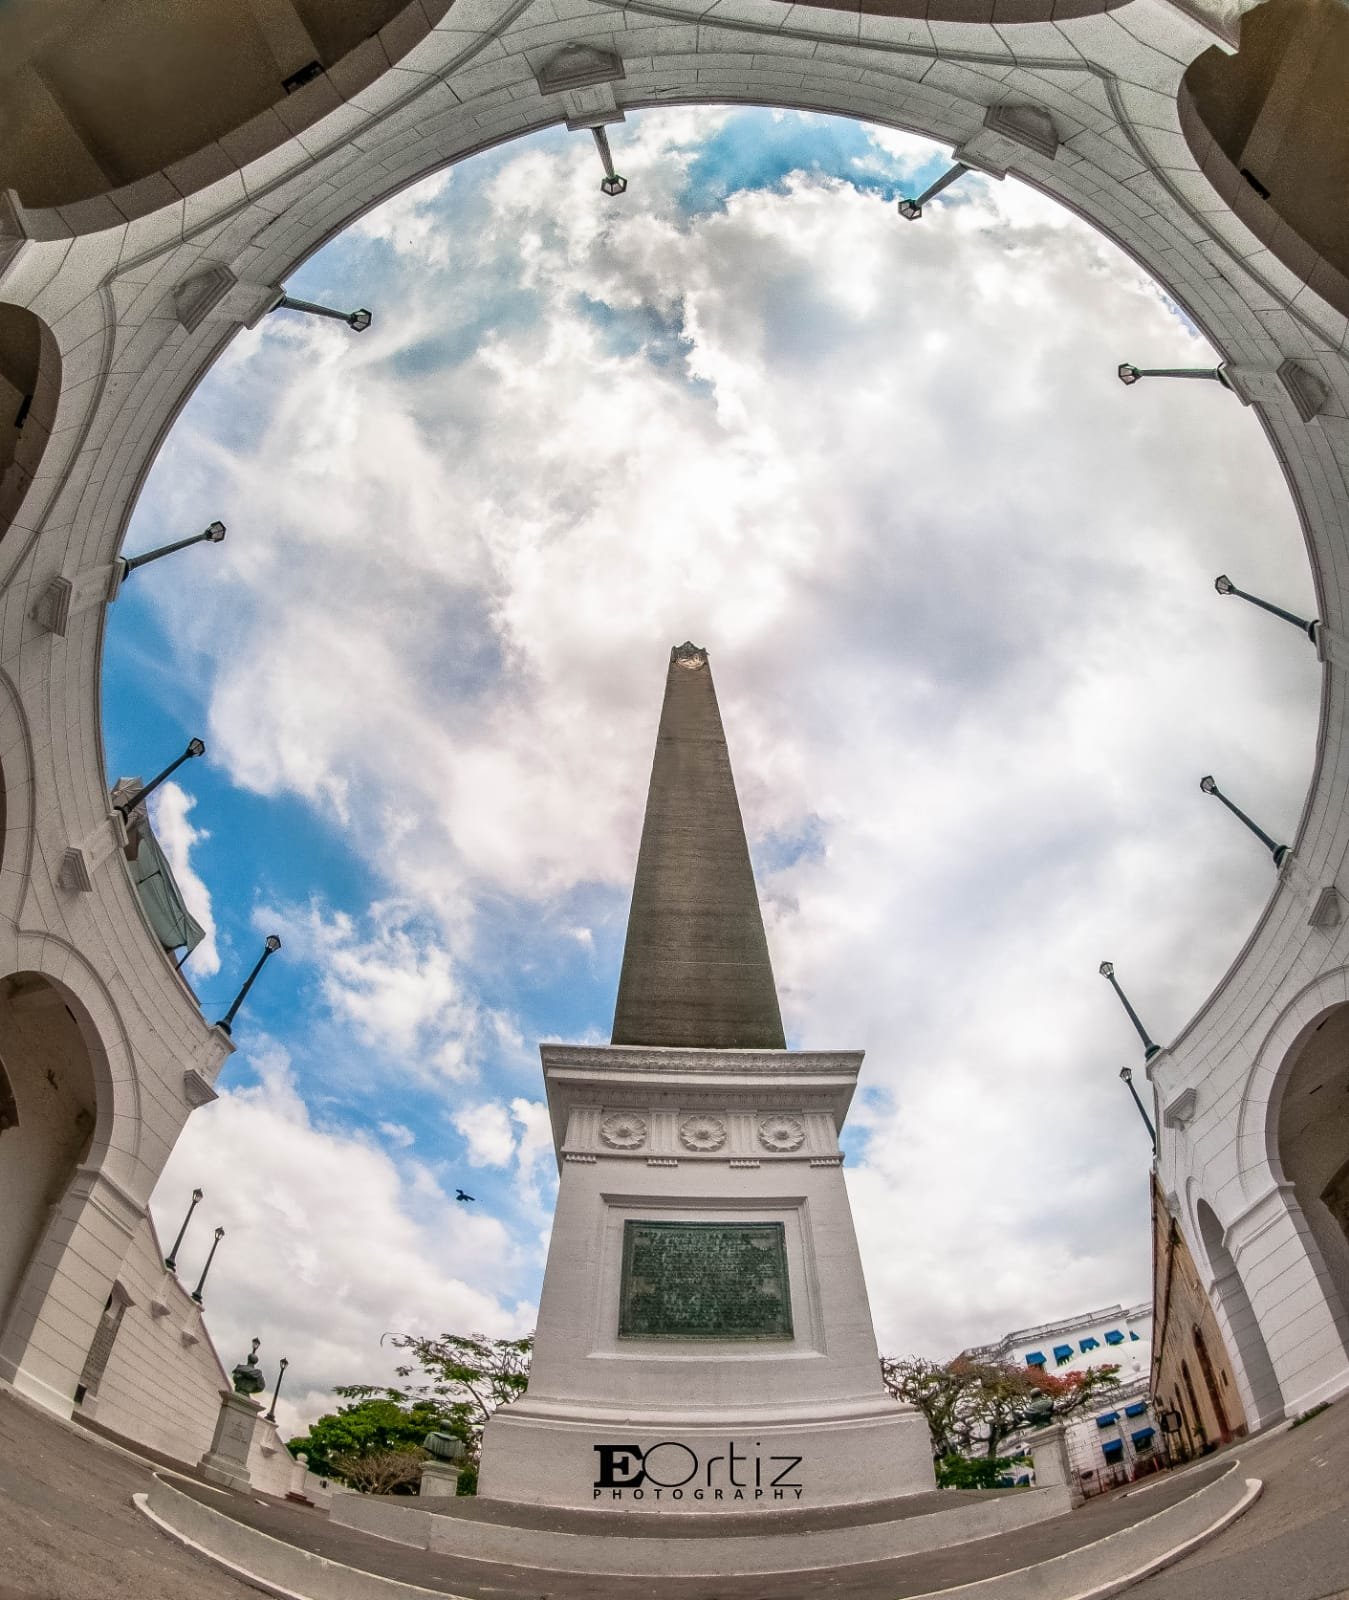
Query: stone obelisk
(704, 1340)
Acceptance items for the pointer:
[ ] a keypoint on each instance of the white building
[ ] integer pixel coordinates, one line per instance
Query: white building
(146, 213)
(1118, 1435)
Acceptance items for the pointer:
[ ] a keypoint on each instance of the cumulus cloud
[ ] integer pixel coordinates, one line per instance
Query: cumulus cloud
(956, 582)
(170, 806)
(330, 1243)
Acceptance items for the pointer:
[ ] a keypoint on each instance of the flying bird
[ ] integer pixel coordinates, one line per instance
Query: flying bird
(460, 1195)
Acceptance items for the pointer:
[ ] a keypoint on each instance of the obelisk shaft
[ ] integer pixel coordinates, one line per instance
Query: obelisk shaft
(696, 970)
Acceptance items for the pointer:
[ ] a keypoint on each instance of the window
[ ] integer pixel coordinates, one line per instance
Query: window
(1114, 1337)
(1089, 1344)
(1035, 1359)
(1113, 1450)
(1143, 1439)
(1062, 1353)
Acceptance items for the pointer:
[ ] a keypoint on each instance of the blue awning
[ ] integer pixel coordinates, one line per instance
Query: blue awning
(1090, 1344)
(1107, 1419)
(1113, 1449)
(1063, 1352)
(1132, 1334)
(1136, 1409)
(1143, 1435)
(1036, 1358)
(1114, 1337)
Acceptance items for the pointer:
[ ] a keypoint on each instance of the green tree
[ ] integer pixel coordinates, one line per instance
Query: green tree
(376, 1422)
(468, 1371)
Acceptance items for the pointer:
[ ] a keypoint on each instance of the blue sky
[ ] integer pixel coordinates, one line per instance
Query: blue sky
(956, 584)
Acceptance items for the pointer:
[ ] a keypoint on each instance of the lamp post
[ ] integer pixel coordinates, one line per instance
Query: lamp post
(269, 948)
(194, 748)
(213, 533)
(171, 1260)
(281, 1372)
(1224, 585)
(611, 184)
(1280, 852)
(358, 321)
(1130, 374)
(201, 1282)
(1127, 1074)
(911, 210)
(1107, 971)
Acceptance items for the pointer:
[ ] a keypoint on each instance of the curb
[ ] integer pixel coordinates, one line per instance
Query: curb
(242, 1551)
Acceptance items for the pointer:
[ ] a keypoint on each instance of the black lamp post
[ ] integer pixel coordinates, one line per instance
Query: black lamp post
(281, 1372)
(358, 321)
(611, 184)
(195, 748)
(269, 948)
(1127, 1074)
(1107, 970)
(213, 533)
(171, 1260)
(1224, 585)
(1280, 852)
(201, 1282)
(911, 210)
(1130, 374)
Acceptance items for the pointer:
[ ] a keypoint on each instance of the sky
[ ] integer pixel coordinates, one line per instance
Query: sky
(956, 583)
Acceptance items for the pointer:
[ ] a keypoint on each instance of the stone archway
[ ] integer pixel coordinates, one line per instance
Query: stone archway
(1280, 140)
(1261, 1394)
(213, 84)
(30, 385)
(1309, 1137)
(1211, 1384)
(52, 1085)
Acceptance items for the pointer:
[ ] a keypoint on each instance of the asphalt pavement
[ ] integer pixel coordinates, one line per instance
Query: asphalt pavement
(68, 1531)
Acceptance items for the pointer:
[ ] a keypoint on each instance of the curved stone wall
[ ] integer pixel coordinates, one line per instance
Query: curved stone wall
(1086, 104)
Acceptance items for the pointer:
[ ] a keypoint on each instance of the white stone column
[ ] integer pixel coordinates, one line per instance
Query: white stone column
(65, 1286)
(1053, 1470)
(226, 1462)
(1290, 1296)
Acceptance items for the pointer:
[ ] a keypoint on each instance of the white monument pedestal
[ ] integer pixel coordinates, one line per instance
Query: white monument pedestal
(226, 1462)
(440, 1481)
(704, 1339)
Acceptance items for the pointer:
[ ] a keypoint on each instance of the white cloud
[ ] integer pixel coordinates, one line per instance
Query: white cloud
(329, 1243)
(956, 581)
(487, 1127)
(391, 981)
(400, 1137)
(170, 806)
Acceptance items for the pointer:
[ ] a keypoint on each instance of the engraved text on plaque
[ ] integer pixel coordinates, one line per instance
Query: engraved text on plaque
(704, 1280)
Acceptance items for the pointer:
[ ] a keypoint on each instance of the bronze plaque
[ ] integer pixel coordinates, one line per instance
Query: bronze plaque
(704, 1280)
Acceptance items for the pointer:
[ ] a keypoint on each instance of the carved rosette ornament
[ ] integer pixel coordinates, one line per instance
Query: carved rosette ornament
(781, 1134)
(623, 1130)
(702, 1133)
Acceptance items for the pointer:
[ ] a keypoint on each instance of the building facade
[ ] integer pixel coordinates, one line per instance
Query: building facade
(147, 213)
(1120, 1436)
(1191, 1378)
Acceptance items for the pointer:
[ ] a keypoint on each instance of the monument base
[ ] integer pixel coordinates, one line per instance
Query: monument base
(226, 1462)
(788, 1457)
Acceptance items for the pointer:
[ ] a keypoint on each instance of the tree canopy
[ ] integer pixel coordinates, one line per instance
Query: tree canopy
(974, 1406)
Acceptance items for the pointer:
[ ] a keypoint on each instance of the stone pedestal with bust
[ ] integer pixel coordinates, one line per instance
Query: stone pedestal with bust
(704, 1340)
(226, 1462)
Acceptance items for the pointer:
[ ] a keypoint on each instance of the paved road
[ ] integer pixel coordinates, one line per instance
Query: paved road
(1294, 1542)
(68, 1532)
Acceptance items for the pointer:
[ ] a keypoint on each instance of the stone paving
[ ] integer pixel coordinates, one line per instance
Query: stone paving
(68, 1531)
